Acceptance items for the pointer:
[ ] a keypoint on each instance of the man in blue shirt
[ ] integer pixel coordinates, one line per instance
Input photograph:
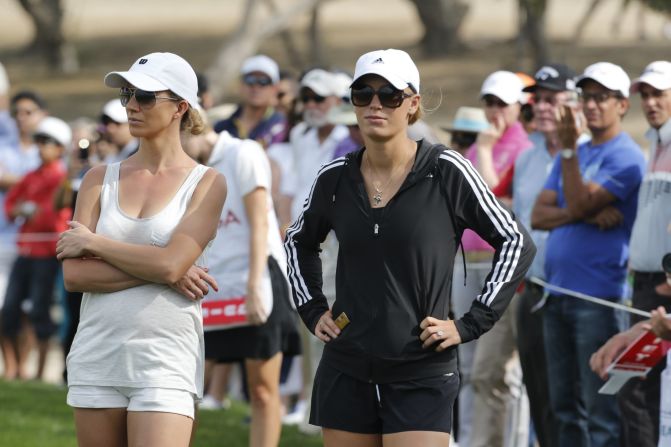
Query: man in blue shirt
(588, 204)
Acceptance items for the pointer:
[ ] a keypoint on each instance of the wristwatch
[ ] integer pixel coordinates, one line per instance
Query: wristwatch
(567, 154)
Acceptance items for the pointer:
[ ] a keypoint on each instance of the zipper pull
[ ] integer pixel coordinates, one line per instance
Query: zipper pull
(376, 229)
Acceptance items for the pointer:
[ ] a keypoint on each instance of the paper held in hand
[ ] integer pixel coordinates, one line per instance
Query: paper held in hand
(636, 361)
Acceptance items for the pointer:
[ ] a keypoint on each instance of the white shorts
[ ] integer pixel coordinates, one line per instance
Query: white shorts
(164, 400)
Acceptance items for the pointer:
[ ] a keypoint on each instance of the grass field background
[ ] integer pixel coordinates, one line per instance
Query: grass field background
(35, 415)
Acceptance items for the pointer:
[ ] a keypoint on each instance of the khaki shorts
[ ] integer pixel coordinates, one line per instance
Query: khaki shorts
(164, 400)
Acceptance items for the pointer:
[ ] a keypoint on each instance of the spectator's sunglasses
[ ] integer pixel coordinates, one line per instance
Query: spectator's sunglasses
(261, 81)
(362, 95)
(146, 100)
(317, 99)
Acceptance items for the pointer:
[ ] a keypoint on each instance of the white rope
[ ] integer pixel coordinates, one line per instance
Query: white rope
(589, 298)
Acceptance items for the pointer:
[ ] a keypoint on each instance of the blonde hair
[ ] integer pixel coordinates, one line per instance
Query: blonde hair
(419, 113)
(192, 122)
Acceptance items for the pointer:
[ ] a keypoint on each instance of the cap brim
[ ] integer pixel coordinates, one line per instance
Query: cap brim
(656, 82)
(318, 89)
(117, 79)
(501, 95)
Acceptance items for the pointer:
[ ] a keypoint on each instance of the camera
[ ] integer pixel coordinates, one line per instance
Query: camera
(666, 263)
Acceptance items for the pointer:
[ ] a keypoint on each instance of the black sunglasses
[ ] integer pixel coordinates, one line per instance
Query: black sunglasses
(306, 98)
(146, 100)
(362, 95)
(45, 139)
(261, 81)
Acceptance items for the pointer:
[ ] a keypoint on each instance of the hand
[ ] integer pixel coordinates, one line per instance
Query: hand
(74, 243)
(195, 283)
(326, 329)
(607, 218)
(256, 314)
(661, 325)
(435, 330)
(601, 359)
(488, 137)
(568, 130)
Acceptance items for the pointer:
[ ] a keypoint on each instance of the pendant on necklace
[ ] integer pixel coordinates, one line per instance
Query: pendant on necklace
(377, 197)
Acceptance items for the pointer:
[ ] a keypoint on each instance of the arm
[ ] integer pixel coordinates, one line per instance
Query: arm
(475, 207)
(582, 199)
(302, 247)
(88, 274)
(256, 206)
(546, 215)
(162, 265)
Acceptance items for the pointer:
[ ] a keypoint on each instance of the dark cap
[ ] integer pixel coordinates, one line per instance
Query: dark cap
(557, 77)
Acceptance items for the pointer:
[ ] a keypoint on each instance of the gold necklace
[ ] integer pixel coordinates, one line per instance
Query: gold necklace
(379, 189)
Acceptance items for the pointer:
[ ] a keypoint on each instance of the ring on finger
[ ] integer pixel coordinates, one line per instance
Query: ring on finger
(440, 333)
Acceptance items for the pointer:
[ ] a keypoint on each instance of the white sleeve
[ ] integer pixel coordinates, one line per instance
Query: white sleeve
(253, 167)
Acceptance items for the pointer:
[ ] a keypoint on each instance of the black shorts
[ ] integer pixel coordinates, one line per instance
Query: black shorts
(342, 402)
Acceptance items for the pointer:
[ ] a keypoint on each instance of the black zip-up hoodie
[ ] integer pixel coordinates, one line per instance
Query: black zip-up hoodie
(395, 264)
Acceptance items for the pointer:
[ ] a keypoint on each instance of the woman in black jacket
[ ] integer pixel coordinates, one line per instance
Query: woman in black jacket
(388, 375)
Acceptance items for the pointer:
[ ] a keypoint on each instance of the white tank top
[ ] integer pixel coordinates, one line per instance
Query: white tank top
(146, 336)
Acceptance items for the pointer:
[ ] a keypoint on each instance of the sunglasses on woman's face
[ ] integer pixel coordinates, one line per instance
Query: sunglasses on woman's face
(362, 95)
(146, 100)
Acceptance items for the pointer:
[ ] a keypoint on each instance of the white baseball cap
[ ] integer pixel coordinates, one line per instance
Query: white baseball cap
(115, 111)
(505, 85)
(263, 64)
(4, 81)
(611, 76)
(344, 80)
(54, 128)
(322, 82)
(395, 66)
(657, 74)
(159, 71)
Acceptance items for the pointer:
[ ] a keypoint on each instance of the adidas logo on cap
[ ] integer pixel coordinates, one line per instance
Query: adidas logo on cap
(378, 61)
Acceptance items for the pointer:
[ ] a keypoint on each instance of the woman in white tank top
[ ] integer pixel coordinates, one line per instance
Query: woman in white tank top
(136, 248)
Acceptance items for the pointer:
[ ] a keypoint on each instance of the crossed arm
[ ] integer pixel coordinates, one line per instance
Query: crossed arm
(94, 263)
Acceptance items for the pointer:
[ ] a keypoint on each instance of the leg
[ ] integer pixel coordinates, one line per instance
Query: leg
(531, 348)
(45, 272)
(416, 438)
(560, 348)
(603, 417)
(263, 379)
(101, 427)
(156, 429)
(17, 290)
(491, 390)
(339, 438)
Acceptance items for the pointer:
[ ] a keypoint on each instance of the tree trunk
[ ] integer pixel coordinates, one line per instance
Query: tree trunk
(47, 17)
(246, 40)
(442, 20)
(533, 29)
(314, 37)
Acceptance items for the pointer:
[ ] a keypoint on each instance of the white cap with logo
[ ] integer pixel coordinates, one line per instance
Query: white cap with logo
(115, 111)
(159, 71)
(657, 74)
(262, 64)
(505, 85)
(611, 76)
(322, 82)
(396, 66)
(54, 128)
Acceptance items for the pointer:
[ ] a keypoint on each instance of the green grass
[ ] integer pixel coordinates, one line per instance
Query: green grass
(35, 415)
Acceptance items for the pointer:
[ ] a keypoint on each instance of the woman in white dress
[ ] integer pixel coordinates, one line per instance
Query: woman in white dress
(135, 248)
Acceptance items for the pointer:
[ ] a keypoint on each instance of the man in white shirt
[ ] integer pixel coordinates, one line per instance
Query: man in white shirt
(314, 140)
